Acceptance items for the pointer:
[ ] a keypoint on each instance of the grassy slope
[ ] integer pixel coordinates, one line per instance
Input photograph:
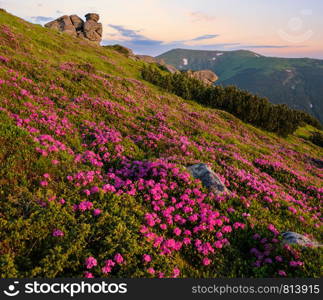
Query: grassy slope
(61, 98)
(259, 74)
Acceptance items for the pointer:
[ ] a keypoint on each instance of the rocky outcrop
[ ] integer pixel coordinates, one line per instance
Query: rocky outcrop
(90, 29)
(207, 76)
(299, 239)
(208, 178)
(158, 61)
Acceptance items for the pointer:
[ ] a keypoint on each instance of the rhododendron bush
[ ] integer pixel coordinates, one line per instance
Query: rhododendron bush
(93, 180)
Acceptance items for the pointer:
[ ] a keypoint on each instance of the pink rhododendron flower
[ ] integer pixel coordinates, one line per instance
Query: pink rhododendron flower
(96, 212)
(206, 261)
(146, 258)
(57, 232)
(177, 231)
(118, 258)
(282, 273)
(88, 274)
(90, 262)
(278, 258)
(226, 229)
(176, 272)
(151, 271)
(43, 183)
(273, 229)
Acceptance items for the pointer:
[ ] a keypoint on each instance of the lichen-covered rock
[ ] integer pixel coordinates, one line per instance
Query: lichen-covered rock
(208, 178)
(77, 22)
(63, 24)
(299, 239)
(92, 29)
(92, 16)
(75, 26)
(207, 76)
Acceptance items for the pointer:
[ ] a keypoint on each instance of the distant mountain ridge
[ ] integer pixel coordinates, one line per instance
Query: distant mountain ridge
(297, 82)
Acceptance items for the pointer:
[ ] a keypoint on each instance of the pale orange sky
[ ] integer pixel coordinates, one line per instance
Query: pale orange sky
(289, 28)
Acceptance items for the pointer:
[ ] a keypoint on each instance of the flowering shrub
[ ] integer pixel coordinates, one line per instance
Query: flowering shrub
(93, 180)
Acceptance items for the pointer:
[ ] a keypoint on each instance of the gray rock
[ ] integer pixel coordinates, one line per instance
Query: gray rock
(75, 26)
(170, 68)
(299, 239)
(63, 24)
(77, 22)
(207, 76)
(93, 31)
(208, 178)
(92, 16)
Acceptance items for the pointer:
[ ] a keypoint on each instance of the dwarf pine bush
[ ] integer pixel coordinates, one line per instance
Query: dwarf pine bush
(258, 111)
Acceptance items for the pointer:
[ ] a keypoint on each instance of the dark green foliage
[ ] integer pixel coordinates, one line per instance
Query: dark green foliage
(317, 139)
(297, 82)
(255, 110)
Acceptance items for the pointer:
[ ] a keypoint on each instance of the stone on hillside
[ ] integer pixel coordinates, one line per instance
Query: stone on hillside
(299, 239)
(92, 29)
(75, 26)
(63, 24)
(207, 76)
(208, 178)
(170, 68)
(77, 22)
(92, 16)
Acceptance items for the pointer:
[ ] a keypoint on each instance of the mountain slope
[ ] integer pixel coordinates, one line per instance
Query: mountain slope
(93, 183)
(296, 82)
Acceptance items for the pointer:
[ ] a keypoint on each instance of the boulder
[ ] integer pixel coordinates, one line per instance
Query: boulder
(92, 16)
(92, 29)
(63, 24)
(207, 76)
(77, 22)
(299, 239)
(170, 68)
(75, 26)
(208, 178)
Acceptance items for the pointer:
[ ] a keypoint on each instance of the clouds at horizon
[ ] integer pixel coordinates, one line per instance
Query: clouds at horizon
(136, 41)
(41, 19)
(152, 27)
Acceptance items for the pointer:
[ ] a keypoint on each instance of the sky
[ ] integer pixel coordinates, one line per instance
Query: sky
(283, 28)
